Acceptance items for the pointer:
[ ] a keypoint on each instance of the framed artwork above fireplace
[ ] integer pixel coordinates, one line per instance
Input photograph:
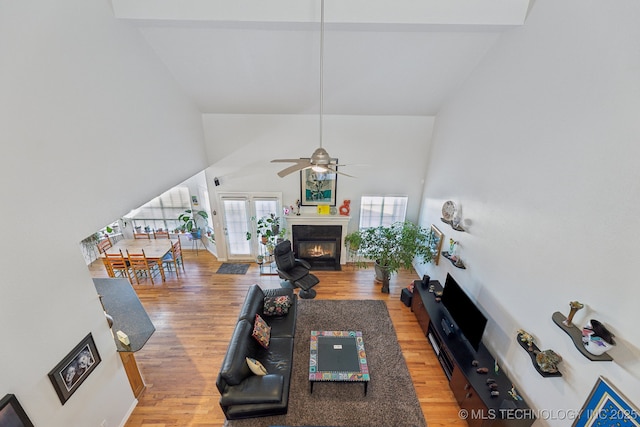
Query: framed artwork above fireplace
(318, 188)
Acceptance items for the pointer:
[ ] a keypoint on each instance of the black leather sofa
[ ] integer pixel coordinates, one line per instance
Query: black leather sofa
(244, 394)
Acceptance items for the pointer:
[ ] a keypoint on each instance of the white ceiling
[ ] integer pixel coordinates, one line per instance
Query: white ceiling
(263, 56)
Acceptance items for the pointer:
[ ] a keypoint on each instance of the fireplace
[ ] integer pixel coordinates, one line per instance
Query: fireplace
(319, 245)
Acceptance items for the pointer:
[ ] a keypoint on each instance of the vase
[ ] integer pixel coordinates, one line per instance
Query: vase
(596, 338)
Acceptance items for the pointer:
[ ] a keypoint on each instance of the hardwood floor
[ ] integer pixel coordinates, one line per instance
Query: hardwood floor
(194, 316)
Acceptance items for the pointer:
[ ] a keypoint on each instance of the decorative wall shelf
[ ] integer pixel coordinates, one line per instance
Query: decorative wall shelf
(456, 263)
(455, 227)
(533, 354)
(576, 336)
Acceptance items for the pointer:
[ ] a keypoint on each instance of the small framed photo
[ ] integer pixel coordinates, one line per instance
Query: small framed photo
(606, 406)
(318, 188)
(12, 414)
(67, 376)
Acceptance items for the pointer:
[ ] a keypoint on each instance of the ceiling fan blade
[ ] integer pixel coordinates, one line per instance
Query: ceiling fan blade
(295, 168)
(337, 171)
(290, 161)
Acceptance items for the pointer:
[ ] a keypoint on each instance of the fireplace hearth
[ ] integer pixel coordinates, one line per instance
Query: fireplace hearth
(319, 245)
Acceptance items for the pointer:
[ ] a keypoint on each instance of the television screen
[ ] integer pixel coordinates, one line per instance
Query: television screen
(464, 312)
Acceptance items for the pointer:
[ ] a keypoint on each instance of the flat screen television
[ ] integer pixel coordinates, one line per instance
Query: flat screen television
(464, 313)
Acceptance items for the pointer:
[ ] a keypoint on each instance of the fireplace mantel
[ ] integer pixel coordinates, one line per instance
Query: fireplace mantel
(308, 219)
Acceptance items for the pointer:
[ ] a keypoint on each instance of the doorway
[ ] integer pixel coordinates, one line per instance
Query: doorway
(239, 212)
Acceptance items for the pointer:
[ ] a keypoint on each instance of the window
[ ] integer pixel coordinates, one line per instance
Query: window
(163, 211)
(382, 210)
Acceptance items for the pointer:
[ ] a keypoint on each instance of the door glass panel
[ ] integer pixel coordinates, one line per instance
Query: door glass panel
(265, 207)
(236, 220)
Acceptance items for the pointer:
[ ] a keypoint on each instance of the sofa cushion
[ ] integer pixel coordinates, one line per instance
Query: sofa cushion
(252, 303)
(255, 366)
(255, 389)
(283, 326)
(276, 306)
(234, 367)
(279, 358)
(261, 331)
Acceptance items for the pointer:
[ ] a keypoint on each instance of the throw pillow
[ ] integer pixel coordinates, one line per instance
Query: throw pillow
(261, 331)
(256, 367)
(276, 306)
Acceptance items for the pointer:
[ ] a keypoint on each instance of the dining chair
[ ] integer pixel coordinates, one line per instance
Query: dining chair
(117, 264)
(107, 266)
(174, 257)
(141, 264)
(161, 234)
(104, 244)
(141, 236)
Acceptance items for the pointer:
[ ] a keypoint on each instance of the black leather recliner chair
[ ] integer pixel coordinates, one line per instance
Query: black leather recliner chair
(294, 271)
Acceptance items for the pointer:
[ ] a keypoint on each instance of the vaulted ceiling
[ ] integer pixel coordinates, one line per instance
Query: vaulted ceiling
(401, 57)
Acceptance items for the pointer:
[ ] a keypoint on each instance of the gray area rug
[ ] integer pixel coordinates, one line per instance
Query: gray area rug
(391, 399)
(232, 268)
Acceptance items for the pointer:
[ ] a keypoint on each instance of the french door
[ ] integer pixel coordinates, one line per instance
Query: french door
(239, 211)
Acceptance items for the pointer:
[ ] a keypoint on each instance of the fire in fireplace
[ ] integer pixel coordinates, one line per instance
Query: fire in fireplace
(311, 249)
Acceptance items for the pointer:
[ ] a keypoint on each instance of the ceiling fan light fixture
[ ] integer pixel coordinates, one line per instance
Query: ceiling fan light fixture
(320, 157)
(318, 168)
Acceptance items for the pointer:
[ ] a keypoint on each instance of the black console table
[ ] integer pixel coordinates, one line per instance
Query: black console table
(470, 388)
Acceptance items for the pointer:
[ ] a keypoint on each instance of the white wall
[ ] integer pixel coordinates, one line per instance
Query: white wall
(92, 126)
(540, 148)
(385, 154)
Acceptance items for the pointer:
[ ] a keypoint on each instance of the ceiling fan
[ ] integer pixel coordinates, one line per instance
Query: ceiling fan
(320, 161)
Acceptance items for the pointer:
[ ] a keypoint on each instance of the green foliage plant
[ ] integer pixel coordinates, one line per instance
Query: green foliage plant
(189, 219)
(267, 227)
(393, 247)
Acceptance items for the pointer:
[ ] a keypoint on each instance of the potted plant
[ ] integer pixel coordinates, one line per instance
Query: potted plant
(189, 220)
(391, 248)
(267, 228)
(352, 241)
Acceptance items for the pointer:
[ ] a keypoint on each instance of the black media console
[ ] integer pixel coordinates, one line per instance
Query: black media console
(471, 389)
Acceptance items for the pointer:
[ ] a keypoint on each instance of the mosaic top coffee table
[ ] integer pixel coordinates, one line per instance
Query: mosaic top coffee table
(338, 356)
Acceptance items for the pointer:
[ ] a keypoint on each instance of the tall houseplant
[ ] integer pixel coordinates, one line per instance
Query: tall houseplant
(392, 248)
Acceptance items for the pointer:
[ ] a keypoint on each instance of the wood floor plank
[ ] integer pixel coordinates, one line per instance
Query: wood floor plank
(195, 314)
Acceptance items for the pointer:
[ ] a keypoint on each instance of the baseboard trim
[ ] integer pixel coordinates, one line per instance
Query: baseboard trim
(129, 412)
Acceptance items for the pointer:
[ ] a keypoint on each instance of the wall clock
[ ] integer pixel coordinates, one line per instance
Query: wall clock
(448, 210)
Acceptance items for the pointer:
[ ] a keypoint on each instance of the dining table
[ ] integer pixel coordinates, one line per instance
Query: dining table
(154, 249)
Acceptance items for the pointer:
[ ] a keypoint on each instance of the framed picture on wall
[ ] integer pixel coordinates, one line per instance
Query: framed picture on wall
(435, 242)
(12, 414)
(318, 188)
(74, 369)
(606, 407)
